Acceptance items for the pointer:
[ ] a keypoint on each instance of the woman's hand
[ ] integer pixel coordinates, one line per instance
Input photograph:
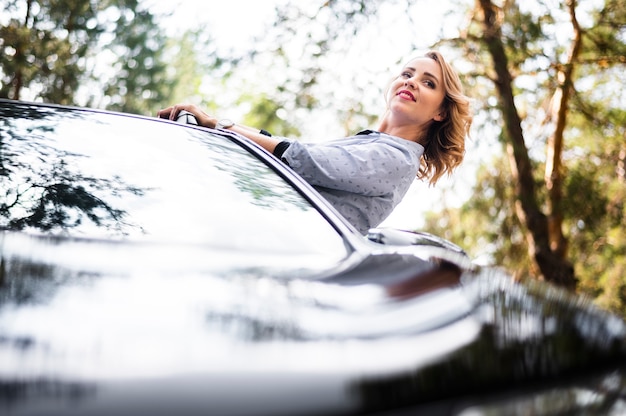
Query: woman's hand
(203, 118)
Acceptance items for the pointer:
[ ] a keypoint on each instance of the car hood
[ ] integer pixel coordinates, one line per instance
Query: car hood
(93, 327)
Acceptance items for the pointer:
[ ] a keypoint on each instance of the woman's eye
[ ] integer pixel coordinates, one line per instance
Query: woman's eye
(406, 75)
(430, 84)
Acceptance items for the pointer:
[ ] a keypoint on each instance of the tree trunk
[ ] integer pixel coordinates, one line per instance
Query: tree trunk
(554, 167)
(551, 265)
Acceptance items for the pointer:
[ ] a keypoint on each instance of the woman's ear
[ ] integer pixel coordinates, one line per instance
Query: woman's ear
(440, 116)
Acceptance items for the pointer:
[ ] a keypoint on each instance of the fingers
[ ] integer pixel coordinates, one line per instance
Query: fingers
(167, 113)
(172, 112)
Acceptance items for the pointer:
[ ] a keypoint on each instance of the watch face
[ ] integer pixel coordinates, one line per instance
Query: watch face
(224, 124)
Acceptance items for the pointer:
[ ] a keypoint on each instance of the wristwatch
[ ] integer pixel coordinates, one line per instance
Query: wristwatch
(224, 124)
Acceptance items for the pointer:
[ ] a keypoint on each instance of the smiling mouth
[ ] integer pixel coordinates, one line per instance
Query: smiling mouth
(407, 95)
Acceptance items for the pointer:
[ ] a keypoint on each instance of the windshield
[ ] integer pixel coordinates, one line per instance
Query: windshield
(84, 174)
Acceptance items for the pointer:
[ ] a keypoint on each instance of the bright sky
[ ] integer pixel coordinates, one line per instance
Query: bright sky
(233, 23)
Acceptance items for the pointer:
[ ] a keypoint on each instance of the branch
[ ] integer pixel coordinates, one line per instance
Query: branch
(554, 168)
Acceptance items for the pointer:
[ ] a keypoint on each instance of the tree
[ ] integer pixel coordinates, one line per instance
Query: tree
(543, 230)
(43, 47)
(519, 49)
(597, 225)
(486, 225)
(47, 48)
(266, 112)
(139, 82)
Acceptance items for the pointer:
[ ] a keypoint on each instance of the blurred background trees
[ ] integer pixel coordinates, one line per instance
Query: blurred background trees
(44, 46)
(547, 158)
(563, 136)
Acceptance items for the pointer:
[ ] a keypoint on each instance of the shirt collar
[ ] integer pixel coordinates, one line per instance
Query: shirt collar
(367, 132)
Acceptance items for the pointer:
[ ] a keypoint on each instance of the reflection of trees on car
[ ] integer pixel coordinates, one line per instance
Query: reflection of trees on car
(60, 198)
(265, 188)
(54, 195)
(27, 281)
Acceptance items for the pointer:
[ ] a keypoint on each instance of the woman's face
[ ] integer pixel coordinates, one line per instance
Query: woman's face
(416, 95)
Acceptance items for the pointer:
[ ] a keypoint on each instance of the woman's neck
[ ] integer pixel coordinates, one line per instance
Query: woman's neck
(413, 133)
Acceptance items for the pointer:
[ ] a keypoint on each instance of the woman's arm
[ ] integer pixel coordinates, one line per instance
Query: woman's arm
(267, 142)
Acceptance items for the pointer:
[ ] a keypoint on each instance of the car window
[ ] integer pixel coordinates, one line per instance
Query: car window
(100, 175)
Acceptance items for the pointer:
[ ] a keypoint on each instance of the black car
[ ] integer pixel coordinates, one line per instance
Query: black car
(150, 267)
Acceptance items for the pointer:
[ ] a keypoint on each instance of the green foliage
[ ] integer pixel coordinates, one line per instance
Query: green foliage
(595, 216)
(594, 147)
(43, 47)
(605, 39)
(523, 34)
(140, 84)
(486, 225)
(48, 48)
(265, 113)
(597, 181)
(185, 67)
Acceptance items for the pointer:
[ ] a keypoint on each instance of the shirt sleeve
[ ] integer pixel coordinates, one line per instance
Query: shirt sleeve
(371, 168)
(280, 148)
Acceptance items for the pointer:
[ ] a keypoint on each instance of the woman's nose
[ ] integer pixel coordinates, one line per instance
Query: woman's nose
(409, 83)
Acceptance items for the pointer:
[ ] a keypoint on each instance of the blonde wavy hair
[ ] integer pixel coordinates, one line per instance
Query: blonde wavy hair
(445, 145)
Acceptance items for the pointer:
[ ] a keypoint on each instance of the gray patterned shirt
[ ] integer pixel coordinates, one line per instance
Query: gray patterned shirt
(364, 176)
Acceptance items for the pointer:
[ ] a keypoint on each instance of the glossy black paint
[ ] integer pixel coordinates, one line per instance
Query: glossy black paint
(152, 268)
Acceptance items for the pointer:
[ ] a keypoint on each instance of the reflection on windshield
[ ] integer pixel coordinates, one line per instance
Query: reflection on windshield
(98, 175)
(263, 187)
(39, 190)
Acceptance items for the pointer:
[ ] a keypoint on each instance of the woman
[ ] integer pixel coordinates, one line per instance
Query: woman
(422, 134)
